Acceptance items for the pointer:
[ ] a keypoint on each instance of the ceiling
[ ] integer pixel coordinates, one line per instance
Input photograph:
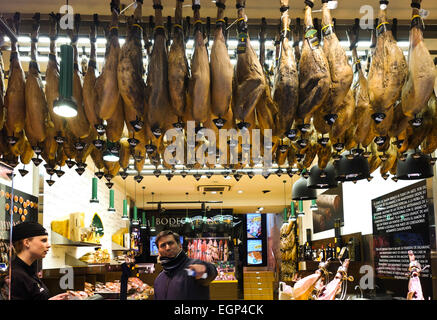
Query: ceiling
(255, 9)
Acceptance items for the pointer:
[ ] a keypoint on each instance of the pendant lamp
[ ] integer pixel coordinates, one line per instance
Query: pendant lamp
(111, 200)
(292, 212)
(144, 221)
(111, 152)
(313, 205)
(300, 212)
(94, 191)
(300, 190)
(135, 217)
(285, 202)
(414, 167)
(353, 169)
(322, 179)
(152, 225)
(125, 211)
(65, 106)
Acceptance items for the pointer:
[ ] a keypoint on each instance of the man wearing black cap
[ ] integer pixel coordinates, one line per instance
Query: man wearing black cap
(30, 243)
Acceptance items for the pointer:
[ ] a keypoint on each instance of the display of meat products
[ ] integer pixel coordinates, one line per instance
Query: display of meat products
(297, 37)
(324, 153)
(314, 74)
(286, 92)
(78, 125)
(36, 104)
(200, 82)
(225, 252)
(2, 89)
(124, 153)
(15, 103)
(131, 70)
(429, 145)
(112, 167)
(178, 70)
(89, 81)
(421, 71)
(52, 77)
(222, 70)
(388, 70)
(49, 145)
(107, 100)
(340, 70)
(250, 81)
(17, 148)
(334, 286)
(160, 117)
(363, 133)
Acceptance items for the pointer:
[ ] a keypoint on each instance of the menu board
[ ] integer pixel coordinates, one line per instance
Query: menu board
(254, 228)
(400, 224)
(254, 252)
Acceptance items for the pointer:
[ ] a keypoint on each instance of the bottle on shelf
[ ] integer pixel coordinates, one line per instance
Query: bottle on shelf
(313, 254)
(323, 253)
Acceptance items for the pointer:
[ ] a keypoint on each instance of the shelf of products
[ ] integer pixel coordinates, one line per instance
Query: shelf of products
(60, 240)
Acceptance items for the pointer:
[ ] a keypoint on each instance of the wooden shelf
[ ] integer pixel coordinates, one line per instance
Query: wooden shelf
(117, 247)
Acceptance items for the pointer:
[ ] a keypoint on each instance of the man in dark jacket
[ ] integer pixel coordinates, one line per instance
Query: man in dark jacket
(182, 278)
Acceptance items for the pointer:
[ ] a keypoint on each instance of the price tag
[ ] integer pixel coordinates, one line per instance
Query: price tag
(242, 43)
(313, 40)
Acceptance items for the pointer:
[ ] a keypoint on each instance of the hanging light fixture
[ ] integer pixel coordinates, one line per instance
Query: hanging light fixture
(292, 212)
(65, 106)
(414, 167)
(300, 212)
(111, 200)
(285, 202)
(300, 190)
(135, 217)
(143, 221)
(125, 211)
(111, 152)
(187, 222)
(313, 205)
(322, 179)
(354, 169)
(152, 225)
(94, 191)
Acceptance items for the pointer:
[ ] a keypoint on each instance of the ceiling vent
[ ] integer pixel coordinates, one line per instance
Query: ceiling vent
(213, 188)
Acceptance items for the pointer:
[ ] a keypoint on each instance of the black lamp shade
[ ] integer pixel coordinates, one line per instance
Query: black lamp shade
(353, 169)
(414, 169)
(322, 179)
(300, 191)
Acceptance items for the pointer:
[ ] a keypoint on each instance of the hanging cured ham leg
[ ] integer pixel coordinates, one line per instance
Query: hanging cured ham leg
(388, 71)
(200, 72)
(363, 132)
(160, 117)
(421, 72)
(36, 105)
(340, 70)
(89, 84)
(107, 101)
(15, 103)
(78, 125)
(2, 88)
(286, 92)
(314, 75)
(178, 71)
(130, 73)
(250, 79)
(52, 80)
(222, 70)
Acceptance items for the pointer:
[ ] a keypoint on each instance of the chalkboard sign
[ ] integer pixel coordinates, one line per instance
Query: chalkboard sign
(401, 223)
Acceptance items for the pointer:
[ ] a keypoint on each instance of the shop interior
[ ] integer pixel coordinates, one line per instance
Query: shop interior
(268, 229)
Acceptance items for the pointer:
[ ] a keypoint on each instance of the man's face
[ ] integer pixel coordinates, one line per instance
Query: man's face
(168, 247)
(39, 246)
